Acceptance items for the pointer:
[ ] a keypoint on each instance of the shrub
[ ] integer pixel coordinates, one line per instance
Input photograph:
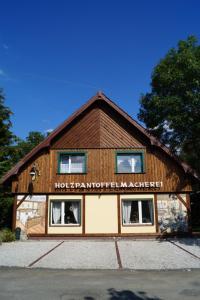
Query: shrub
(6, 235)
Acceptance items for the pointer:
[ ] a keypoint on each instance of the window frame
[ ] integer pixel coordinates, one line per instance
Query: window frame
(129, 152)
(72, 153)
(139, 212)
(62, 210)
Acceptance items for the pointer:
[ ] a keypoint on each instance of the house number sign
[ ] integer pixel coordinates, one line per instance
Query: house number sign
(107, 185)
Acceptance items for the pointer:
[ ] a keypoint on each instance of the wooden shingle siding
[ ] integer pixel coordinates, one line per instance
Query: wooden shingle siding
(115, 135)
(101, 168)
(83, 134)
(99, 128)
(41, 184)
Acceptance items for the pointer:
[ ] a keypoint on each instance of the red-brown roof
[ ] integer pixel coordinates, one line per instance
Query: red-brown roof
(99, 96)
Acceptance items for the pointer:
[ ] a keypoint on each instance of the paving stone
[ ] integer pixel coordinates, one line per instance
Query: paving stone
(21, 254)
(81, 255)
(157, 255)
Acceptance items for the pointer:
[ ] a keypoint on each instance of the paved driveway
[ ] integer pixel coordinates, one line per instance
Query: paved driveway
(103, 254)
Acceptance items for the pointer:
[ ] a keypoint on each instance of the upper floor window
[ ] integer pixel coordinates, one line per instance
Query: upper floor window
(72, 163)
(130, 162)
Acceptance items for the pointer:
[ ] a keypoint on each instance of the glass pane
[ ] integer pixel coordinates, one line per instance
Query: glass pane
(77, 163)
(147, 211)
(56, 212)
(64, 164)
(129, 163)
(124, 163)
(138, 163)
(72, 212)
(134, 218)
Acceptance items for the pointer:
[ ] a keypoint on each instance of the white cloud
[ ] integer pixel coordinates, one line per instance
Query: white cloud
(48, 130)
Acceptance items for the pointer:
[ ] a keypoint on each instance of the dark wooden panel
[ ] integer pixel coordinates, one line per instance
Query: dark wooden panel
(114, 134)
(83, 134)
(25, 185)
(101, 168)
(99, 128)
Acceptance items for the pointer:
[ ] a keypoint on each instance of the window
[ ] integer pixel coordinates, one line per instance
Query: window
(72, 163)
(130, 162)
(137, 212)
(65, 212)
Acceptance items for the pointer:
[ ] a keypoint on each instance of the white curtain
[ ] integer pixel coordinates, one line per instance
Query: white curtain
(150, 210)
(75, 209)
(126, 212)
(56, 212)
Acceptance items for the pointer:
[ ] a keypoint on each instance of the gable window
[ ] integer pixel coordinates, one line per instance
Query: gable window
(137, 212)
(65, 212)
(132, 162)
(72, 163)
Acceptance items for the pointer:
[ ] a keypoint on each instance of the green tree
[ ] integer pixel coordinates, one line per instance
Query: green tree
(6, 136)
(22, 147)
(171, 111)
(6, 139)
(12, 149)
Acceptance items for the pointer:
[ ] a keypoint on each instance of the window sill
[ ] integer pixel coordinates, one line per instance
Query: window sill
(129, 173)
(71, 173)
(65, 225)
(137, 225)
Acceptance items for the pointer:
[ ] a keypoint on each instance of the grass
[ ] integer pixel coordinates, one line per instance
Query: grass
(6, 235)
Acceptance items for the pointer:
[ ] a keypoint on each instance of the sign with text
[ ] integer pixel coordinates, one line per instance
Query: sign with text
(108, 185)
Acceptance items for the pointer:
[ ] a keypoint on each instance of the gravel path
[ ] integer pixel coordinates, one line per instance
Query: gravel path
(101, 254)
(81, 255)
(21, 254)
(148, 255)
(191, 245)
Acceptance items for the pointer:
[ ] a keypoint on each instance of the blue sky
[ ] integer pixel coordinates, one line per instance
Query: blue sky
(55, 55)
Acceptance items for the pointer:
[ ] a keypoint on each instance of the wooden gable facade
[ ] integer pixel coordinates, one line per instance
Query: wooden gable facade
(100, 130)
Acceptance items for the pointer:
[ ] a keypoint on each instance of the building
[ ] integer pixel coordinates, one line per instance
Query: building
(101, 174)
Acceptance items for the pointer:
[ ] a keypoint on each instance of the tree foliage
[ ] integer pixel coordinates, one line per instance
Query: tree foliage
(12, 149)
(22, 147)
(6, 136)
(171, 111)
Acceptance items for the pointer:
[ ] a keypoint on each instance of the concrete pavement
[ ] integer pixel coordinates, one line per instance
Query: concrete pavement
(103, 254)
(46, 284)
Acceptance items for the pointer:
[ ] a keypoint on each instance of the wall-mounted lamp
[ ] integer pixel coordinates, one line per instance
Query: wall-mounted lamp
(34, 172)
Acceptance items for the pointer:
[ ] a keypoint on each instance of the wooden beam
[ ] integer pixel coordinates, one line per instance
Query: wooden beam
(156, 212)
(185, 203)
(22, 200)
(46, 214)
(83, 214)
(14, 212)
(119, 214)
(189, 212)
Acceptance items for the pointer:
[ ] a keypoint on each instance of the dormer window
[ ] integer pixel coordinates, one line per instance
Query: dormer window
(130, 162)
(72, 163)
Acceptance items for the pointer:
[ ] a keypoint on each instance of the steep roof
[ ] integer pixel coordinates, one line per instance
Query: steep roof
(98, 97)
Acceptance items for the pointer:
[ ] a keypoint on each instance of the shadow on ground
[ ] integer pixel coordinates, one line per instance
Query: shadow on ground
(126, 295)
(188, 241)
